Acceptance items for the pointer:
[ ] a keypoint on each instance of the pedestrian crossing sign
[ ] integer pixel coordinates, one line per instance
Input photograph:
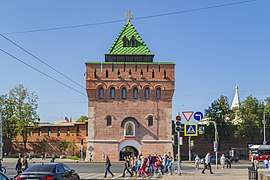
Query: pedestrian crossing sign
(191, 129)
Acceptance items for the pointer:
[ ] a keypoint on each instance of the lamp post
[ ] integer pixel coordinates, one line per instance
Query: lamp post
(206, 121)
(264, 124)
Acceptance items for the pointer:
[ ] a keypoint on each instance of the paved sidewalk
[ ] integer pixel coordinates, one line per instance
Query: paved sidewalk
(224, 174)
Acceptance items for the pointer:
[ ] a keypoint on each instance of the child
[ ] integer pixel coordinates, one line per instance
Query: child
(197, 162)
(266, 163)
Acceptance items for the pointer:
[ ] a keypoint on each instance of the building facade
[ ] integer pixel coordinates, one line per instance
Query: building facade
(129, 100)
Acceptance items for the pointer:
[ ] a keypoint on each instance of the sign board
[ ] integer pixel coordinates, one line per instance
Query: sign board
(198, 115)
(181, 141)
(191, 130)
(187, 114)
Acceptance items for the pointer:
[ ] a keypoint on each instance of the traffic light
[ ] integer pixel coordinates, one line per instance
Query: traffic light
(178, 126)
(175, 139)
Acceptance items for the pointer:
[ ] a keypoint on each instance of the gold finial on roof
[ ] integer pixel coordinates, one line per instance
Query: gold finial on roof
(129, 15)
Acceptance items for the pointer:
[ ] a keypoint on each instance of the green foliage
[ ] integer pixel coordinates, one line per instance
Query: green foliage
(63, 146)
(71, 147)
(220, 112)
(251, 114)
(73, 157)
(18, 110)
(82, 119)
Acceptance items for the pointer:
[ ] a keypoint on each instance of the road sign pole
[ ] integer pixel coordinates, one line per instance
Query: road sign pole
(189, 148)
(179, 156)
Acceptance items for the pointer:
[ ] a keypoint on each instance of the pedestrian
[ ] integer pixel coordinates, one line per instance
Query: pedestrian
(222, 161)
(18, 167)
(228, 162)
(24, 163)
(207, 163)
(103, 157)
(169, 163)
(256, 163)
(53, 158)
(143, 167)
(90, 157)
(266, 162)
(126, 166)
(42, 156)
(197, 162)
(30, 156)
(107, 167)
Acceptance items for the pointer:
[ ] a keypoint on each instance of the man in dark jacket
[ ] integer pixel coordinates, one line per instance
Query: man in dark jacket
(107, 167)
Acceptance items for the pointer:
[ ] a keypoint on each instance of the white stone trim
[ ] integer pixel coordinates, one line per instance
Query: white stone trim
(129, 142)
(101, 141)
(156, 141)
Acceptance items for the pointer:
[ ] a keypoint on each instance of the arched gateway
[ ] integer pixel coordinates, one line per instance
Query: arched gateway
(128, 147)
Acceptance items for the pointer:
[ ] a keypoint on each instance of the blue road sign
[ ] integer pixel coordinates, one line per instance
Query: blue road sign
(198, 116)
(191, 130)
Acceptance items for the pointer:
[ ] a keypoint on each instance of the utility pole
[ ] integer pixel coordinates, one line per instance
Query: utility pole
(264, 124)
(189, 148)
(178, 129)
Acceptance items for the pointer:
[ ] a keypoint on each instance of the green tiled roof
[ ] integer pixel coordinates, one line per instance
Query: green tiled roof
(129, 31)
(130, 63)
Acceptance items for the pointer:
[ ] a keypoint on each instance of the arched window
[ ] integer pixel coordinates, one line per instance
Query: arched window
(112, 92)
(101, 93)
(133, 42)
(108, 120)
(129, 129)
(125, 41)
(124, 93)
(135, 93)
(147, 91)
(158, 93)
(68, 131)
(150, 121)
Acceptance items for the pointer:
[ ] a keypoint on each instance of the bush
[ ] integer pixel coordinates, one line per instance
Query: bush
(73, 157)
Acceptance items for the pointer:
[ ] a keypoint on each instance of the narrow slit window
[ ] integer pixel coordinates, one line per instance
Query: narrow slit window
(135, 93)
(112, 92)
(124, 93)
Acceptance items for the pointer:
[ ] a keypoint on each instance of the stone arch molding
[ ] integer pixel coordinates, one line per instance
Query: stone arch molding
(129, 142)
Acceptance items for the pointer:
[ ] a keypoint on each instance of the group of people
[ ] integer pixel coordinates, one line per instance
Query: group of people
(224, 161)
(151, 164)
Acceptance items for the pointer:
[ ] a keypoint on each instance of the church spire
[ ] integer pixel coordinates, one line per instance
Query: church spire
(236, 99)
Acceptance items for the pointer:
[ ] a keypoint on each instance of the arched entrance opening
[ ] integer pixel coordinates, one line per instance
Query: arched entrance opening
(128, 151)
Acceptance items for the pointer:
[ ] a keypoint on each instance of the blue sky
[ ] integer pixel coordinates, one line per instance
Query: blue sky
(213, 49)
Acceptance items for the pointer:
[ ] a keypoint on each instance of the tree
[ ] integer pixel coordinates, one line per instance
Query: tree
(251, 115)
(71, 147)
(220, 112)
(82, 119)
(19, 109)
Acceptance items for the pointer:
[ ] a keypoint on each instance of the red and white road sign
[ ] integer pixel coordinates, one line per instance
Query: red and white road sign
(187, 114)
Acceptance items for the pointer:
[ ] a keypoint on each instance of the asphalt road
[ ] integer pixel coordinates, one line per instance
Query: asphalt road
(88, 170)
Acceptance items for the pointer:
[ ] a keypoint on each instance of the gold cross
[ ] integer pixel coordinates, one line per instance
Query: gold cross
(129, 15)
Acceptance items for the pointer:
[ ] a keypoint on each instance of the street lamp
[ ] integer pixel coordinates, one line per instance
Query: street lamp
(264, 124)
(207, 121)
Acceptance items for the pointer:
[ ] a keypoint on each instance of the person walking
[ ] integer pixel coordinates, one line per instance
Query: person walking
(197, 161)
(126, 166)
(107, 167)
(222, 161)
(228, 162)
(266, 162)
(143, 167)
(207, 163)
(18, 167)
(169, 163)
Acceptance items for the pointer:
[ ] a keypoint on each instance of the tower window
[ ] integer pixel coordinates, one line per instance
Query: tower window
(133, 42)
(124, 93)
(125, 41)
(58, 132)
(68, 131)
(158, 93)
(147, 68)
(109, 121)
(153, 73)
(112, 92)
(107, 73)
(150, 121)
(135, 93)
(147, 93)
(101, 93)
(165, 74)
(49, 132)
(95, 73)
(78, 131)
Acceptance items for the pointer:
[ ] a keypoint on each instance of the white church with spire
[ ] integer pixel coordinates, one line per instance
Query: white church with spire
(235, 106)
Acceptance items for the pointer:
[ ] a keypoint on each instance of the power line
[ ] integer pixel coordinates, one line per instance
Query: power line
(123, 20)
(40, 60)
(41, 72)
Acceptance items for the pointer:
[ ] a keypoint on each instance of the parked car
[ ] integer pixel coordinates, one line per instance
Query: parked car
(49, 171)
(233, 159)
(4, 177)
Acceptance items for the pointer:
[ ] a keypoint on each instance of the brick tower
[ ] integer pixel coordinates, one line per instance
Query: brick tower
(129, 100)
